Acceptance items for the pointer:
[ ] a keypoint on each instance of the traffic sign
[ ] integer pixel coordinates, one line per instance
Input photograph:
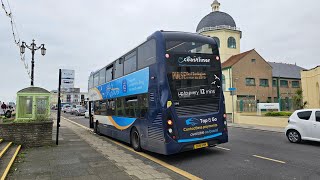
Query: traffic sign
(232, 89)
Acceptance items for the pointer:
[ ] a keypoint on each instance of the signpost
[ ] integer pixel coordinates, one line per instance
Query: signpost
(66, 80)
(232, 93)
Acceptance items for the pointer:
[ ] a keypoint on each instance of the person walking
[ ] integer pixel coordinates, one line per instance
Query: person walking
(3, 107)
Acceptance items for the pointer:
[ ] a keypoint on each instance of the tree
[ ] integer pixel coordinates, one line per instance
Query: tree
(298, 100)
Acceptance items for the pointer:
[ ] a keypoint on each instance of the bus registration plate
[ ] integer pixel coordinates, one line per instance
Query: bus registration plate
(201, 145)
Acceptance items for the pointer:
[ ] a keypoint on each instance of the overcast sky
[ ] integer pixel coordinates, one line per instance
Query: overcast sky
(87, 35)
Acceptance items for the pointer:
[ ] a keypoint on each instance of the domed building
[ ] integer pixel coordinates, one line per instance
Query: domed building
(222, 27)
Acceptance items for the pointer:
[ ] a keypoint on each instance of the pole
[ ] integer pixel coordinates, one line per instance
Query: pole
(32, 65)
(278, 92)
(232, 108)
(90, 116)
(59, 108)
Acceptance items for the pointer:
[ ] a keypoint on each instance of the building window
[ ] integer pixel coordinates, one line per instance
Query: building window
(269, 100)
(284, 83)
(264, 82)
(253, 60)
(250, 82)
(295, 84)
(232, 43)
(217, 40)
(274, 83)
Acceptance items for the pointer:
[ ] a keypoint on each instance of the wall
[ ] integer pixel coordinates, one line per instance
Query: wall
(223, 35)
(310, 81)
(259, 69)
(28, 134)
(261, 120)
(228, 102)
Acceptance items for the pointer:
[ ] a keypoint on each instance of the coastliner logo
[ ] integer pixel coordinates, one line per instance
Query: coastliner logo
(193, 60)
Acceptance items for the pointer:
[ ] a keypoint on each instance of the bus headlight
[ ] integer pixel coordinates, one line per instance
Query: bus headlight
(170, 130)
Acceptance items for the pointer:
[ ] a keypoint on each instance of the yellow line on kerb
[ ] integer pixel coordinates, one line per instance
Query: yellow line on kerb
(274, 160)
(4, 175)
(5, 149)
(164, 164)
(1, 140)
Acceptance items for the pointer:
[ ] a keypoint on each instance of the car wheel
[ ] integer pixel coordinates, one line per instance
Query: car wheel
(135, 139)
(96, 128)
(294, 136)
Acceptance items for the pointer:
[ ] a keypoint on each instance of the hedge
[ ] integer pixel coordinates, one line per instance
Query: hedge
(276, 113)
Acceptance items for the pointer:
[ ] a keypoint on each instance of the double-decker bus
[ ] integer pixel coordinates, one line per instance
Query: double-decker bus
(163, 96)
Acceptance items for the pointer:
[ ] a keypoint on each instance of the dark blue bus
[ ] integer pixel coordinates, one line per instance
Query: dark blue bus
(163, 96)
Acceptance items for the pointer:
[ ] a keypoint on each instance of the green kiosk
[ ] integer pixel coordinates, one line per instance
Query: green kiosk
(33, 103)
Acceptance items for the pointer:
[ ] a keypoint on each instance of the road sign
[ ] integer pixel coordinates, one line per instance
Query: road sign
(67, 78)
(232, 89)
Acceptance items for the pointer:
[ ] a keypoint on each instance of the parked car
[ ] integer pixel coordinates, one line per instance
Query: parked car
(66, 108)
(304, 125)
(77, 109)
(86, 114)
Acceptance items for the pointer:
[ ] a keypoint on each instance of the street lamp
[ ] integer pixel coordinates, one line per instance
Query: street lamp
(33, 47)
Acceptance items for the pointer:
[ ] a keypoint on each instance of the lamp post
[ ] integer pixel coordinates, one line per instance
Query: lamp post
(33, 47)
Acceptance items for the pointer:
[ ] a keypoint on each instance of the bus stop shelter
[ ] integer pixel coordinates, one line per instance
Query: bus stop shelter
(33, 103)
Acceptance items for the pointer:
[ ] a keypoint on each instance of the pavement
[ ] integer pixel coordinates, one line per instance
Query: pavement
(257, 127)
(84, 155)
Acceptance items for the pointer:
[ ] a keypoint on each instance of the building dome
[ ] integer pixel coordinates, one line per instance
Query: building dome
(216, 19)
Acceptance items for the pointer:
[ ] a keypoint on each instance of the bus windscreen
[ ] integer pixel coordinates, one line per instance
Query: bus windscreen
(193, 73)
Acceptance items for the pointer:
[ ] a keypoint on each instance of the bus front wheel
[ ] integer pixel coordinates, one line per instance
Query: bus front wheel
(135, 139)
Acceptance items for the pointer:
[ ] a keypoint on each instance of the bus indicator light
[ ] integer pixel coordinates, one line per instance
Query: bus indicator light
(225, 116)
(217, 58)
(170, 122)
(167, 56)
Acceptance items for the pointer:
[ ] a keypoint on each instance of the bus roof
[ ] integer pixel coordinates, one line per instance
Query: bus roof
(169, 35)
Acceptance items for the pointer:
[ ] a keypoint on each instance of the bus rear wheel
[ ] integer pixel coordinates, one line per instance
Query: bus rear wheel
(135, 139)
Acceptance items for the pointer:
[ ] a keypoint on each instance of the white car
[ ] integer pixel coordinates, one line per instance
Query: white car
(66, 108)
(86, 114)
(304, 125)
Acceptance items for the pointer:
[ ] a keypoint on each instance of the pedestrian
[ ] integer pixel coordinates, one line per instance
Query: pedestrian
(3, 107)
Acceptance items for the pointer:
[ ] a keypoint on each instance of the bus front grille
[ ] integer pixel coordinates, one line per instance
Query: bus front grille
(197, 109)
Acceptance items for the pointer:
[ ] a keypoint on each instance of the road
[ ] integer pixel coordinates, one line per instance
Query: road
(249, 154)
